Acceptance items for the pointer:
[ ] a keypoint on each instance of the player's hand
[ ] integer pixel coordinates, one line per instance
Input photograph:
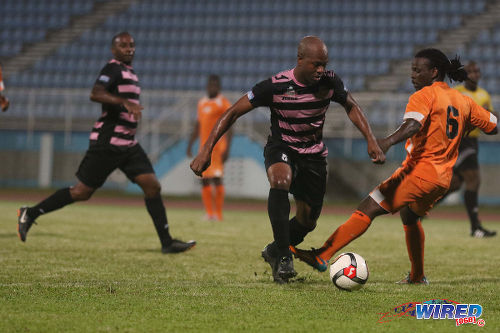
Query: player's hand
(200, 163)
(134, 109)
(4, 103)
(376, 152)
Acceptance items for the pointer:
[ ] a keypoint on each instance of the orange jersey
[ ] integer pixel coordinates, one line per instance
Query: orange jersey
(443, 113)
(209, 110)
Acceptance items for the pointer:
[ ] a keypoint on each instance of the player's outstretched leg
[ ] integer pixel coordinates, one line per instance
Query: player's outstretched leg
(311, 257)
(26, 216)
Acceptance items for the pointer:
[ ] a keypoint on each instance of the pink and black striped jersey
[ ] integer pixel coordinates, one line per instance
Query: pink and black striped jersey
(116, 127)
(298, 111)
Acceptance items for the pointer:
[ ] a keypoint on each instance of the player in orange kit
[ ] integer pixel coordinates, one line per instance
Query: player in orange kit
(210, 108)
(434, 123)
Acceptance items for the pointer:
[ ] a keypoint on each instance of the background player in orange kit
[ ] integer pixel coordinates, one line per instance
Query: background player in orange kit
(435, 120)
(210, 108)
(4, 101)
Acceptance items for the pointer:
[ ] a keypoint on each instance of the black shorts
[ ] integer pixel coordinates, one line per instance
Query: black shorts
(467, 155)
(308, 172)
(99, 162)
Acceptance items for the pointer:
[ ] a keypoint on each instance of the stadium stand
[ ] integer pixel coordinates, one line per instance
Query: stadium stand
(180, 42)
(57, 47)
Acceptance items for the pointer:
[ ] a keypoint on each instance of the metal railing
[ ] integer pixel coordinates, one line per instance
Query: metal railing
(169, 116)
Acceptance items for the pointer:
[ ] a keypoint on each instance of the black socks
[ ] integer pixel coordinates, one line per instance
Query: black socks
(297, 232)
(156, 210)
(278, 208)
(470, 199)
(57, 200)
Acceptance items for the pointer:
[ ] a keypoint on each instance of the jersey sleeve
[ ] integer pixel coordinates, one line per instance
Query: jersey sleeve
(339, 90)
(261, 94)
(109, 75)
(419, 106)
(480, 117)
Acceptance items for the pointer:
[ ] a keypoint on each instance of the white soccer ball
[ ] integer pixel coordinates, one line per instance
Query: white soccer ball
(349, 271)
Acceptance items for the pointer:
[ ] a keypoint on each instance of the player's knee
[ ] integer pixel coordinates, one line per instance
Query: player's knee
(153, 190)
(314, 215)
(472, 184)
(408, 217)
(280, 183)
(79, 194)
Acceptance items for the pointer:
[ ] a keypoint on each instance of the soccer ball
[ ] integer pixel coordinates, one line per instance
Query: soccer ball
(349, 271)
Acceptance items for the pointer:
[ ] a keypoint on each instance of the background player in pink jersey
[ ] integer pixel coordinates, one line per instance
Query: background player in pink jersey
(295, 154)
(113, 146)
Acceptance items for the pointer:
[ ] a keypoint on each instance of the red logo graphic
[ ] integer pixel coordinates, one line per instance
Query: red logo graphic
(350, 272)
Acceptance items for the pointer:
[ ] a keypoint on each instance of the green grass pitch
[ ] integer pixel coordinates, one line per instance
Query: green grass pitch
(98, 268)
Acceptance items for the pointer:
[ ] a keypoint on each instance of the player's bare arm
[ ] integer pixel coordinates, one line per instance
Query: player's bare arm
(202, 161)
(229, 138)
(407, 129)
(192, 138)
(358, 118)
(4, 103)
(99, 94)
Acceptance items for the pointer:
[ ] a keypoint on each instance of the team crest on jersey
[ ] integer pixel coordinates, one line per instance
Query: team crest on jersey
(290, 91)
(284, 157)
(290, 94)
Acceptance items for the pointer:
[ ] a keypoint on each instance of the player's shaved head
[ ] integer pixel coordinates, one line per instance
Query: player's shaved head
(311, 45)
(118, 36)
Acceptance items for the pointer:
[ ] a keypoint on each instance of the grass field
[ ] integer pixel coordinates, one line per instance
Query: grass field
(97, 268)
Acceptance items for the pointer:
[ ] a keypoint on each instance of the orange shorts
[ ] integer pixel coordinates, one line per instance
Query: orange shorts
(216, 168)
(404, 189)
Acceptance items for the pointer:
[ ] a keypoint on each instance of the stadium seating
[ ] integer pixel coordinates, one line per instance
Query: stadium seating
(180, 42)
(29, 21)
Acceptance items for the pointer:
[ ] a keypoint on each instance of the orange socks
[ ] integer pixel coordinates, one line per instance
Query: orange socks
(219, 200)
(354, 227)
(415, 239)
(206, 197)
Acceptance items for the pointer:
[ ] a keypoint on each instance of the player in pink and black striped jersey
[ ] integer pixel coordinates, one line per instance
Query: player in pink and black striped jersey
(113, 146)
(295, 155)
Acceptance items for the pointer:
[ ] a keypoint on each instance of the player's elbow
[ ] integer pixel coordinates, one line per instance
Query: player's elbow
(93, 96)
(492, 132)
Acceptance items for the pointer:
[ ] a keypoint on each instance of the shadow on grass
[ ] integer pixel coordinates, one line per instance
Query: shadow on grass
(8, 235)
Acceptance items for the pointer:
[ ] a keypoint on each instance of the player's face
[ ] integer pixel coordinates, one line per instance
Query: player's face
(421, 73)
(123, 49)
(312, 66)
(213, 88)
(473, 74)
